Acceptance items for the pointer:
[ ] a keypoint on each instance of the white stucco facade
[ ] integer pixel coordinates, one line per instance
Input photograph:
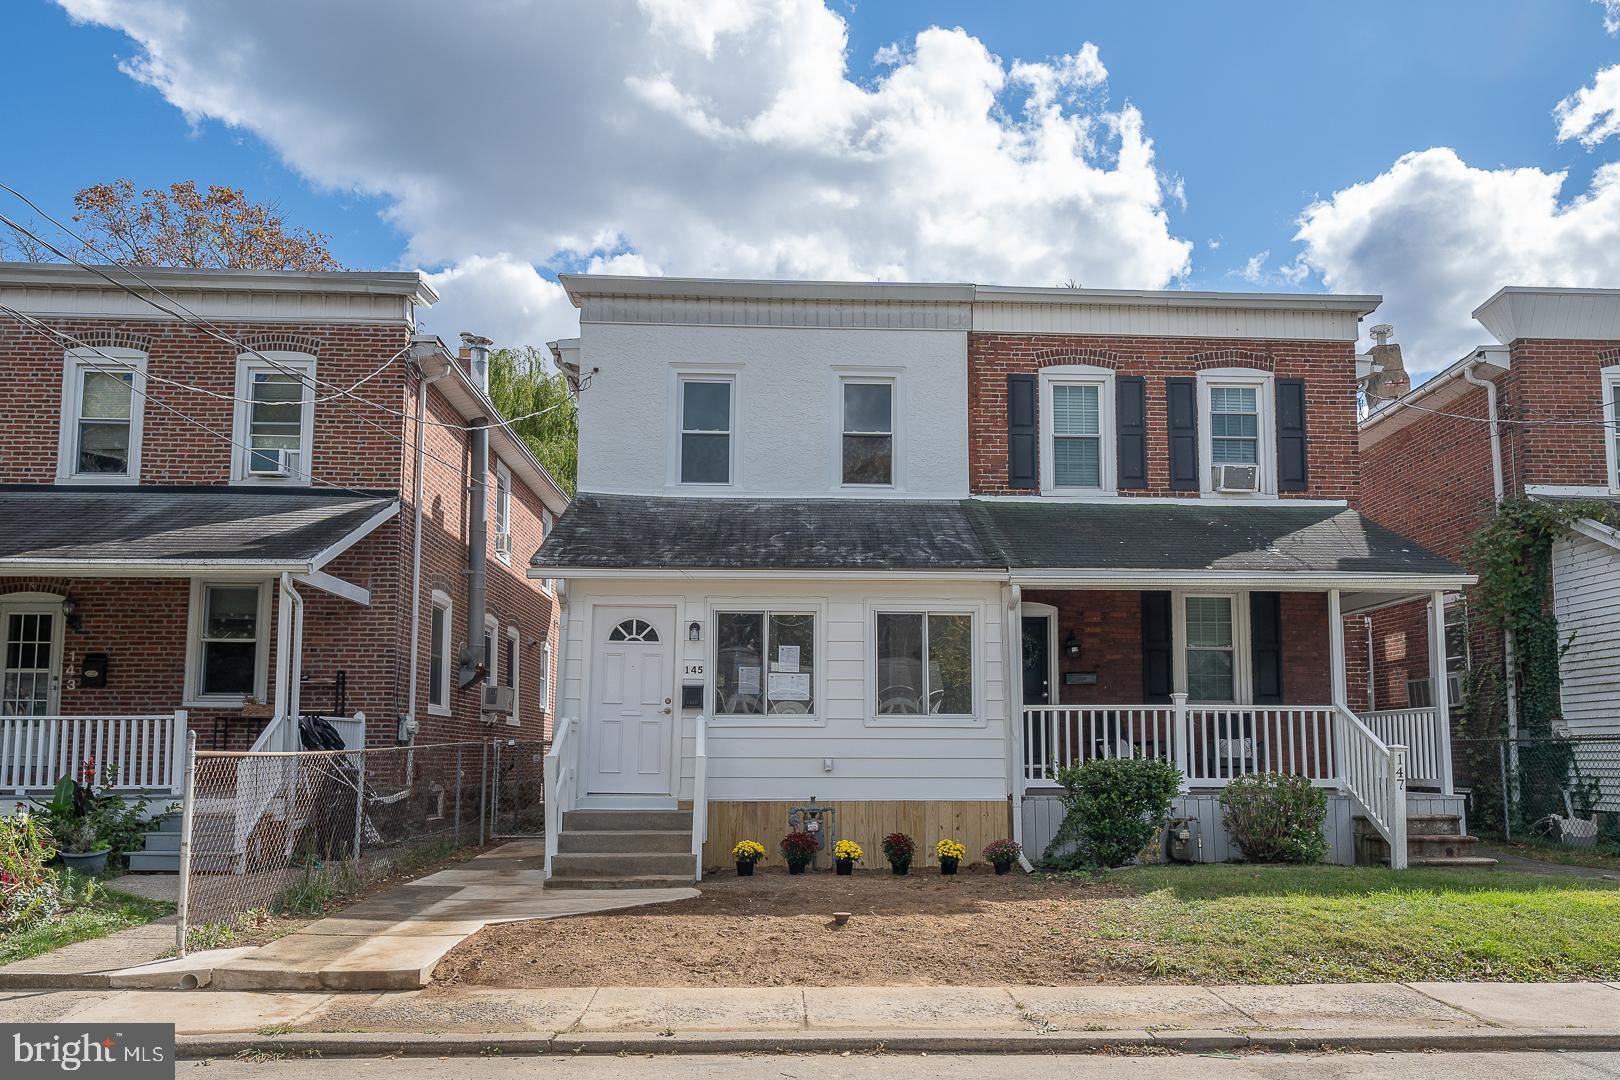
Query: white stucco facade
(786, 407)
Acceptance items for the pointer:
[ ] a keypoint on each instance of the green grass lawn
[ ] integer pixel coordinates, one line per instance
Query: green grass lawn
(82, 920)
(1275, 924)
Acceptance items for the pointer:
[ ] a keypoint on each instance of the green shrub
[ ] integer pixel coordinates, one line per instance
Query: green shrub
(30, 891)
(1112, 809)
(1276, 819)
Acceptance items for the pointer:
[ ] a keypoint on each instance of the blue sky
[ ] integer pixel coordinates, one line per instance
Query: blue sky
(1256, 110)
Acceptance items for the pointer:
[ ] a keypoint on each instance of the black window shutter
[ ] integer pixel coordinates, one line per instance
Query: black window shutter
(1291, 435)
(1265, 633)
(1181, 397)
(1130, 430)
(1023, 469)
(1158, 647)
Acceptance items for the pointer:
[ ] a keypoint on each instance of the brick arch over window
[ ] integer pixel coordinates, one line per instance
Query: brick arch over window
(114, 339)
(282, 343)
(1094, 357)
(1609, 356)
(1225, 358)
(11, 585)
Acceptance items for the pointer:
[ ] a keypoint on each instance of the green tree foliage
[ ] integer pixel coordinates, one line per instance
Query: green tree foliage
(523, 384)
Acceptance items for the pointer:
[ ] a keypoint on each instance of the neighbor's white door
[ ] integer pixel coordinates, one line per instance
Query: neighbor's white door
(32, 676)
(631, 723)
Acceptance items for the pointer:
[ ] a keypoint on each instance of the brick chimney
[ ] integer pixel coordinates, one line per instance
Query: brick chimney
(1392, 380)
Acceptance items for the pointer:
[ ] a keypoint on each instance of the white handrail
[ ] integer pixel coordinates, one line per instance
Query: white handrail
(560, 772)
(147, 752)
(1374, 773)
(700, 795)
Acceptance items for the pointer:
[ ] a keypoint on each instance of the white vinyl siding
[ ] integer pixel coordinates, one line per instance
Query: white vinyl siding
(1586, 602)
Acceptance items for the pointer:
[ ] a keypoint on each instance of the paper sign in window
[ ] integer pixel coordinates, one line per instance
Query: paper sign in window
(789, 686)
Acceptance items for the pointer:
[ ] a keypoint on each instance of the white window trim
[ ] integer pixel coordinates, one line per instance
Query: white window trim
(1611, 455)
(1108, 443)
(1265, 452)
(975, 719)
(680, 375)
(544, 679)
(442, 602)
(492, 651)
(74, 363)
(843, 376)
(515, 640)
(1242, 645)
(503, 507)
(755, 605)
(246, 364)
(194, 698)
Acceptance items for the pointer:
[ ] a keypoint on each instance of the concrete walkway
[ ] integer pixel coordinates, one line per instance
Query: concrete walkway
(392, 941)
(1519, 864)
(1389, 1016)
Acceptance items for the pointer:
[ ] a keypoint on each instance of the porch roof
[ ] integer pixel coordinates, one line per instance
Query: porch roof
(1270, 538)
(170, 530)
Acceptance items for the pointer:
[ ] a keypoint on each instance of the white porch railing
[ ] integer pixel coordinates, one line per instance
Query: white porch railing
(1057, 735)
(148, 753)
(1373, 772)
(1424, 734)
(561, 775)
(700, 794)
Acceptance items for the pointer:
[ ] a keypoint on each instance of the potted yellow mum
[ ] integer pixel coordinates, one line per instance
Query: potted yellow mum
(950, 854)
(846, 853)
(747, 853)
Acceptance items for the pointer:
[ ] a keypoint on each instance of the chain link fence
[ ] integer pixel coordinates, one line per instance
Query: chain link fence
(287, 833)
(1543, 790)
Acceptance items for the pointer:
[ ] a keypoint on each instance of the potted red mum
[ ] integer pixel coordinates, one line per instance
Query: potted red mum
(1001, 854)
(799, 850)
(899, 848)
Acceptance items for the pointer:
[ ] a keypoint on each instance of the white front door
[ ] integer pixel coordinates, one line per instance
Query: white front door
(631, 724)
(32, 674)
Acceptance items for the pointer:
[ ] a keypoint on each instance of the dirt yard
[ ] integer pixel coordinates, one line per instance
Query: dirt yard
(777, 930)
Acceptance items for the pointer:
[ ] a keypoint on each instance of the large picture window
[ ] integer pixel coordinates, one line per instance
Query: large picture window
(705, 426)
(765, 663)
(868, 433)
(924, 664)
(1211, 649)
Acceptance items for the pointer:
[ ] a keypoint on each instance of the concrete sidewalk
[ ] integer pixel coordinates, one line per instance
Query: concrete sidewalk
(1387, 1016)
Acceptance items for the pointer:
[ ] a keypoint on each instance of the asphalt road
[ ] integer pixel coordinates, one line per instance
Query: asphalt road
(1482, 1066)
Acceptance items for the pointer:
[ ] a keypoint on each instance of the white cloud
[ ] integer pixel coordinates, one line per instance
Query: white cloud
(1255, 269)
(498, 296)
(1437, 236)
(1592, 113)
(697, 136)
(1611, 15)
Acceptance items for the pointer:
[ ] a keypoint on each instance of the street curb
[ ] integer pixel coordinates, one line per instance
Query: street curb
(397, 1044)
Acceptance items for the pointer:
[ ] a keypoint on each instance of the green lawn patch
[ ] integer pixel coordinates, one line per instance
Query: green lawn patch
(86, 917)
(1280, 924)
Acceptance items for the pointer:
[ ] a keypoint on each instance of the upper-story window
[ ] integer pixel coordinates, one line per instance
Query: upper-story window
(706, 444)
(503, 513)
(867, 443)
(1077, 417)
(102, 394)
(1236, 432)
(275, 417)
(1611, 413)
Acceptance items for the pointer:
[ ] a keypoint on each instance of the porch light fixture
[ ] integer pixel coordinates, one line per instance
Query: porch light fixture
(694, 631)
(1071, 646)
(70, 614)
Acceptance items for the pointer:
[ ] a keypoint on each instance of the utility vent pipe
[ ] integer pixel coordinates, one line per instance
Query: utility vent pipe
(472, 656)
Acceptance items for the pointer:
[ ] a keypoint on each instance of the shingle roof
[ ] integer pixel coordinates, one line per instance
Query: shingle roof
(1273, 537)
(636, 532)
(632, 531)
(157, 526)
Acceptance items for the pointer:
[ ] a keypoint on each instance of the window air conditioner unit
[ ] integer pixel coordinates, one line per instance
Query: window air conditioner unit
(503, 545)
(498, 699)
(272, 462)
(1237, 478)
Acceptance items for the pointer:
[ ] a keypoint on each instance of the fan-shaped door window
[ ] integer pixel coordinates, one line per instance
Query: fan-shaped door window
(633, 630)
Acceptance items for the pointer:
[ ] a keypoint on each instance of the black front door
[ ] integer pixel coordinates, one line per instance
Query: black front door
(1037, 660)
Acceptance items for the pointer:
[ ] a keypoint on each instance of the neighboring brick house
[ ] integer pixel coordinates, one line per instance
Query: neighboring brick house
(1434, 464)
(899, 550)
(182, 497)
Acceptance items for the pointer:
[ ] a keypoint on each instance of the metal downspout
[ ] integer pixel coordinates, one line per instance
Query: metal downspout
(1508, 645)
(472, 658)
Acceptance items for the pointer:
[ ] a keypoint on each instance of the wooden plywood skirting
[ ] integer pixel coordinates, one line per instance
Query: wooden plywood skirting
(974, 823)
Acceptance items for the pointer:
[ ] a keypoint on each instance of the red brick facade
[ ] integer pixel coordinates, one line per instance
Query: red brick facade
(1328, 368)
(363, 441)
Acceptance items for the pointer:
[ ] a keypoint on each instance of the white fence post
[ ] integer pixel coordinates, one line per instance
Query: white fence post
(1183, 738)
(1397, 807)
(187, 813)
(178, 742)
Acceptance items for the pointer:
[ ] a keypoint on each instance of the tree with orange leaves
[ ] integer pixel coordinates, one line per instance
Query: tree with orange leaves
(183, 226)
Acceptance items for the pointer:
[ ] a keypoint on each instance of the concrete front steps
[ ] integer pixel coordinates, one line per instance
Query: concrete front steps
(1432, 840)
(624, 849)
(161, 854)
